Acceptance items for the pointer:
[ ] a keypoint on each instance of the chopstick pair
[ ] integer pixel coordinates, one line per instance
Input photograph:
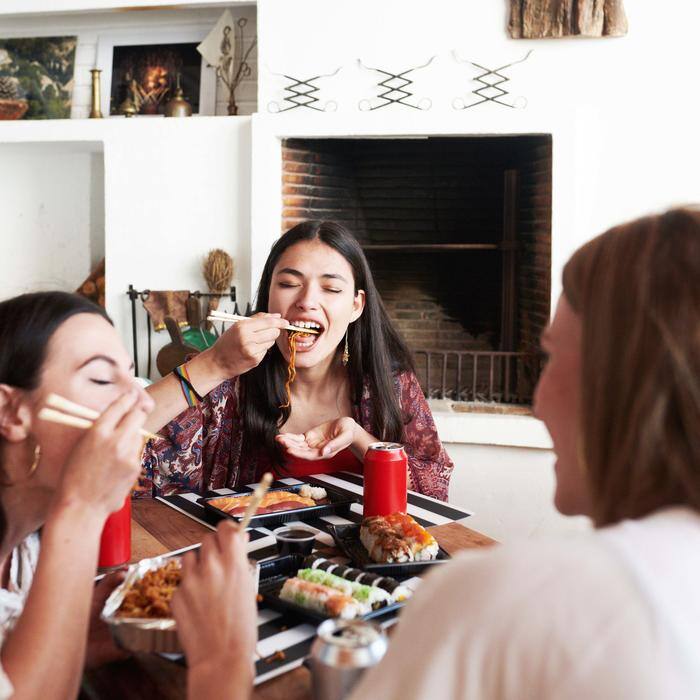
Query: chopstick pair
(65, 412)
(215, 315)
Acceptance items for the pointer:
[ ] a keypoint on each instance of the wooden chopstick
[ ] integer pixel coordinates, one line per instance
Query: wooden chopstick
(258, 494)
(234, 318)
(65, 412)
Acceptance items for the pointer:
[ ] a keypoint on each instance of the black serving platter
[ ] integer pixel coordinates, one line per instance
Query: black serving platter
(335, 503)
(273, 574)
(347, 537)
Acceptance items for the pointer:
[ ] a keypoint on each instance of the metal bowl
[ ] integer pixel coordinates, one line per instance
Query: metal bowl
(157, 635)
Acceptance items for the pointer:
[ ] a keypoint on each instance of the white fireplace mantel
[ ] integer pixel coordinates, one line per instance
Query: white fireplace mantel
(270, 130)
(266, 212)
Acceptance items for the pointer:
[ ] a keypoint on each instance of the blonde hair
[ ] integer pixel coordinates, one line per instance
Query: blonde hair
(637, 291)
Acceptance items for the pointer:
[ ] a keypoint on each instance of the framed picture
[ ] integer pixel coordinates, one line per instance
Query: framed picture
(146, 68)
(36, 77)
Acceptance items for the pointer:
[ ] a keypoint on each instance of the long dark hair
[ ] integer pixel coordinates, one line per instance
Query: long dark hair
(27, 323)
(377, 351)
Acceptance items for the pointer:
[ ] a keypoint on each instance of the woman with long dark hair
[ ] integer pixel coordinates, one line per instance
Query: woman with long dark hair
(61, 480)
(354, 382)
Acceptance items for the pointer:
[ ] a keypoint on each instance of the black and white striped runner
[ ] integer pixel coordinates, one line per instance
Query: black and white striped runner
(283, 632)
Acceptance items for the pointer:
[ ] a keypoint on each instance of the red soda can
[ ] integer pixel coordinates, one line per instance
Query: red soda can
(386, 479)
(115, 544)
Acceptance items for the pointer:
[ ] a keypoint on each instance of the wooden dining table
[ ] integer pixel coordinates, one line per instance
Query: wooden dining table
(158, 529)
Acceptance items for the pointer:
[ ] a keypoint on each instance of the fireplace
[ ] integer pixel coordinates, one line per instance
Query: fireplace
(457, 231)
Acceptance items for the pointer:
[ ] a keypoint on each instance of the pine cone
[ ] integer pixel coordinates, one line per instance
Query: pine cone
(8, 88)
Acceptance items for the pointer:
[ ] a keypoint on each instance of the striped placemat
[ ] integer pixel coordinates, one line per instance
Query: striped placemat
(280, 632)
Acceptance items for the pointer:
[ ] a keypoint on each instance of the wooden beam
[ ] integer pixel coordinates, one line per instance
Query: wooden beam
(539, 19)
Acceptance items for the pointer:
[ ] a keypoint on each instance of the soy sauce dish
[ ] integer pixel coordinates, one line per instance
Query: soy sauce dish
(294, 539)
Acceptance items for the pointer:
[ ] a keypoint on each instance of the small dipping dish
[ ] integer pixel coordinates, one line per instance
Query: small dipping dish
(294, 539)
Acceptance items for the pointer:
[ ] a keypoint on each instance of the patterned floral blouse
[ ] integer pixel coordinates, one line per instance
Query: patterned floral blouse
(205, 446)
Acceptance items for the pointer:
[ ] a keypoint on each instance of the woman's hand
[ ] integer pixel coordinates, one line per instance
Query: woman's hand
(106, 461)
(322, 442)
(216, 613)
(244, 344)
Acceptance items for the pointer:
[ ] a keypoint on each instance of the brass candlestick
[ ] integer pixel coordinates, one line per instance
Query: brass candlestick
(95, 112)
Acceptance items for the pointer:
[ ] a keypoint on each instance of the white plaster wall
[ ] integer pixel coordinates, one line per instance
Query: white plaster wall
(174, 191)
(90, 26)
(52, 204)
(509, 490)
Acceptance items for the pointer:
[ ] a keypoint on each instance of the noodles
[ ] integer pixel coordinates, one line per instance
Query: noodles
(291, 369)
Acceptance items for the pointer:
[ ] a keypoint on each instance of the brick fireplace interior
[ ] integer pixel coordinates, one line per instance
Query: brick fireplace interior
(457, 231)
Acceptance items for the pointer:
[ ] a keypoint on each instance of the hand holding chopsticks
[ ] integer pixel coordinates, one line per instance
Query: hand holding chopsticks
(224, 317)
(61, 410)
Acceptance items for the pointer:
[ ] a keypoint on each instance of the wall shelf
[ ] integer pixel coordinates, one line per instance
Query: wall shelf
(28, 8)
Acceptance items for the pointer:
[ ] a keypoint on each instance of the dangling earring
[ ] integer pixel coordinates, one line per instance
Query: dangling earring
(346, 352)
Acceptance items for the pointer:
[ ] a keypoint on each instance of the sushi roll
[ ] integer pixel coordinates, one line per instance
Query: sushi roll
(369, 598)
(397, 538)
(326, 579)
(396, 591)
(320, 599)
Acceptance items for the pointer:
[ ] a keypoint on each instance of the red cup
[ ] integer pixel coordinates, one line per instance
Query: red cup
(386, 479)
(115, 545)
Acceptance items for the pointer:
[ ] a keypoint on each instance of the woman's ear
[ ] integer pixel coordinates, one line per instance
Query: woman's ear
(15, 414)
(358, 305)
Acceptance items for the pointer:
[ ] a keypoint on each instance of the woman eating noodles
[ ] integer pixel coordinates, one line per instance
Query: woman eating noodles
(233, 411)
(62, 480)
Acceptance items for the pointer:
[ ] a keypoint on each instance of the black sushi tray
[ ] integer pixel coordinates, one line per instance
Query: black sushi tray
(273, 574)
(347, 537)
(336, 503)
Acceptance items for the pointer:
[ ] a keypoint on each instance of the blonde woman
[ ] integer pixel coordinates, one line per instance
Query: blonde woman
(614, 614)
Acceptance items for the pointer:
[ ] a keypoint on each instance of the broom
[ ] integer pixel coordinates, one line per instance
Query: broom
(218, 273)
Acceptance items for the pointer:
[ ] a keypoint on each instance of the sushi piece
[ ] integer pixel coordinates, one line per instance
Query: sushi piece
(314, 562)
(352, 574)
(368, 597)
(320, 599)
(397, 538)
(317, 493)
(398, 592)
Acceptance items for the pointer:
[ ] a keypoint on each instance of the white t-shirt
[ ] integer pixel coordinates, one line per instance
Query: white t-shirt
(22, 567)
(611, 614)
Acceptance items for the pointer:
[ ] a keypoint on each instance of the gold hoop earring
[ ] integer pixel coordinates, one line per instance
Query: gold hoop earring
(37, 457)
(346, 352)
(35, 463)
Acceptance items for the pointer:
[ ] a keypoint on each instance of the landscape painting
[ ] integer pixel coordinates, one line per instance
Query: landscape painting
(36, 77)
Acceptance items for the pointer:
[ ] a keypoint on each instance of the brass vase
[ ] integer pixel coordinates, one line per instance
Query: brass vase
(178, 106)
(95, 111)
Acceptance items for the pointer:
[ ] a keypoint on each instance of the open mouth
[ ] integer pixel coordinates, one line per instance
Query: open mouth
(305, 341)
